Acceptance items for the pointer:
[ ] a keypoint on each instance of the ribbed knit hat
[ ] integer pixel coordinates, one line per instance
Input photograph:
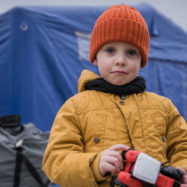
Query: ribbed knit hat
(120, 23)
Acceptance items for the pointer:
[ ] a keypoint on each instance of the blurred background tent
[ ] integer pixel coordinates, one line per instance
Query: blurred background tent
(44, 49)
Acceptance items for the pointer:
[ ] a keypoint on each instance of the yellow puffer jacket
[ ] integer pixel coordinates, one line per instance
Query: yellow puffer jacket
(92, 121)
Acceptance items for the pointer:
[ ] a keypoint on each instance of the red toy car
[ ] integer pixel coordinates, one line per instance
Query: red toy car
(141, 170)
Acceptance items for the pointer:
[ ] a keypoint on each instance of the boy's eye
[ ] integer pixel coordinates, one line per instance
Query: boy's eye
(132, 52)
(110, 50)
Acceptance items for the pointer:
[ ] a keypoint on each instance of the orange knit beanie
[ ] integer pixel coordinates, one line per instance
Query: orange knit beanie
(120, 23)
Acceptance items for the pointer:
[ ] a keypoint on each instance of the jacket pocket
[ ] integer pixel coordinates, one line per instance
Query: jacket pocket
(93, 125)
(160, 122)
(154, 126)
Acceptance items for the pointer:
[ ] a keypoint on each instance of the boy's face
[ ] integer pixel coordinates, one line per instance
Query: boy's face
(118, 62)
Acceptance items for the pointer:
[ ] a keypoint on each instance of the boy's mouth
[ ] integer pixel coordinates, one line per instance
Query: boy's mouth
(120, 72)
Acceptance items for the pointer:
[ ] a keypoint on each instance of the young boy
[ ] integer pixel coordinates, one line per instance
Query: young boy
(113, 112)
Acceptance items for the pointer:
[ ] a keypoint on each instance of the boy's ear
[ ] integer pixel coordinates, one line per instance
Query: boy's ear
(95, 62)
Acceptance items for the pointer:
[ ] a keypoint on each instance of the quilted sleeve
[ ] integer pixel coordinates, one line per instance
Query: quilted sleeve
(177, 138)
(65, 162)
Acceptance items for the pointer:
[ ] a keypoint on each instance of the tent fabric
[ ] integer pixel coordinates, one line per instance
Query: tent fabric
(44, 49)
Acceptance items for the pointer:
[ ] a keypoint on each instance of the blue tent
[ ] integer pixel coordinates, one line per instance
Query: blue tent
(44, 49)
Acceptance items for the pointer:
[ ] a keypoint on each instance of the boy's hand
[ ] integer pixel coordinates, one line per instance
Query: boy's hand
(111, 160)
(184, 182)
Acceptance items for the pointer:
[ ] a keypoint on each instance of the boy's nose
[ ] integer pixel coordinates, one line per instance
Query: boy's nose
(121, 60)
